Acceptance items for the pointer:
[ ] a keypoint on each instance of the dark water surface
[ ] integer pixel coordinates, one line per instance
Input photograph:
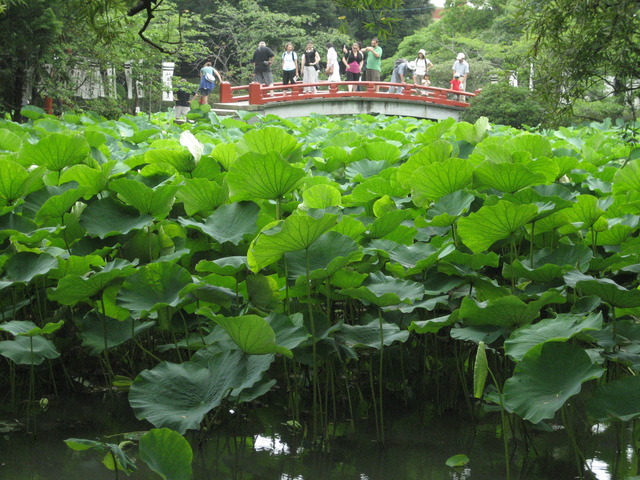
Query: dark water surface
(263, 448)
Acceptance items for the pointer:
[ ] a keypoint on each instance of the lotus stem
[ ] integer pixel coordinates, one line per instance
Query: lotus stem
(314, 353)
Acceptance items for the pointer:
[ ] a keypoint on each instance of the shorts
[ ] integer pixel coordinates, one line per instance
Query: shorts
(265, 78)
(372, 75)
(181, 111)
(205, 91)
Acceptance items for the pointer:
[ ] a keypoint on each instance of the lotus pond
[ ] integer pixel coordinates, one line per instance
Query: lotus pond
(338, 271)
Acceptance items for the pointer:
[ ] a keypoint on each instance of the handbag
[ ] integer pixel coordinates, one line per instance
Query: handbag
(329, 70)
(210, 78)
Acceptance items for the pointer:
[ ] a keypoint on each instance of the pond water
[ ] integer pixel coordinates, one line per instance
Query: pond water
(260, 447)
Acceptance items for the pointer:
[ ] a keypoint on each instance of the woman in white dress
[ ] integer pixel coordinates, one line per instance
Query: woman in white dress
(333, 68)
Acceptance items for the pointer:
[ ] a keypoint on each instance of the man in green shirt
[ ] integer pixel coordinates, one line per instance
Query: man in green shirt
(374, 59)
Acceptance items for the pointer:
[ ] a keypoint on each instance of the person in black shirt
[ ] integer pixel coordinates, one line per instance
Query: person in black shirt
(183, 94)
(262, 60)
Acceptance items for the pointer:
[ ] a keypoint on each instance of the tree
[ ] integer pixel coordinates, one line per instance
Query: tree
(580, 46)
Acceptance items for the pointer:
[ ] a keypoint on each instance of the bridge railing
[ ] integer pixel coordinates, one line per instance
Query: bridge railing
(258, 94)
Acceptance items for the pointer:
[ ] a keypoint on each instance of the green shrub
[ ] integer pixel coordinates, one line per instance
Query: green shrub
(505, 105)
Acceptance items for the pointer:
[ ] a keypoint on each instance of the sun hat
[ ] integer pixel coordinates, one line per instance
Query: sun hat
(422, 51)
(460, 56)
(456, 74)
(412, 65)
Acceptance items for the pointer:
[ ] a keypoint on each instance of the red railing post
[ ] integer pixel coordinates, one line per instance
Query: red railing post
(225, 92)
(255, 94)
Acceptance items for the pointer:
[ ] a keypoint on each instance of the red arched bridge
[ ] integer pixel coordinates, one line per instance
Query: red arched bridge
(335, 98)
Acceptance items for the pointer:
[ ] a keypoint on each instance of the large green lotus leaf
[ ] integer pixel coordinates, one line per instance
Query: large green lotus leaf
(178, 396)
(432, 325)
(377, 187)
(387, 223)
(436, 130)
(360, 170)
(413, 258)
(437, 151)
(269, 140)
(91, 180)
(25, 350)
(481, 229)
(30, 329)
(100, 332)
(25, 266)
(506, 177)
(586, 210)
(350, 227)
(297, 232)
(439, 179)
(370, 335)
(549, 264)
(229, 223)
(627, 179)
(76, 265)
(201, 195)
(290, 330)
(107, 217)
(546, 378)
(151, 201)
(181, 160)
(153, 286)
(262, 176)
(223, 266)
(383, 291)
(55, 207)
(617, 400)
(225, 154)
(12, 181)
(167, 453)
(614, 235)
(251, 333)
(56, 151)
(605, 288)
(321, 196)
(9, 141)
(547, 167)
(536, 145)
(472, 133)
(377, 151)
(558, 329)
(507, 311)
(331, 252)
(448, 208)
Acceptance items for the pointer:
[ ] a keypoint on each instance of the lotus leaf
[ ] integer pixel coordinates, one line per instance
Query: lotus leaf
(558, 329)
(617, 400)
(439, 179)
(229, 223)
(106, 217)
(56, 151)
(178, 396)
(548, 375)
(153, 286)
(262, 176)
(100, 332)
(28, 350)
(371, 335)
(148, 201)
(25, 266)
(167, 453)
(384, 291)
(270, 140)
(200, 195)
(507, 177)
(327, 255)
(482, 229)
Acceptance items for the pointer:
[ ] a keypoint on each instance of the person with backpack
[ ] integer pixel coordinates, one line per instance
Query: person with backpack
(290, 70)
(208, 76)
(310, 67)
(423, 65)
(399, 75)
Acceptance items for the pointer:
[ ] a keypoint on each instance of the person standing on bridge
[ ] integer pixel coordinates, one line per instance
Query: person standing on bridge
(374, 62)
(353, 63)
(461, 67)
(399, 74)
(289, 65)
(333, 69)
(423, 65)
(310, 67)
(208, 76)
(262, 60)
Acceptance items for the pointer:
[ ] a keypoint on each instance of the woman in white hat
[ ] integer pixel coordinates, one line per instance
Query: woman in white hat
(423, 65)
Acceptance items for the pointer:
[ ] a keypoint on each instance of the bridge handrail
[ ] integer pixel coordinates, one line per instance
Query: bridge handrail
(257, 94)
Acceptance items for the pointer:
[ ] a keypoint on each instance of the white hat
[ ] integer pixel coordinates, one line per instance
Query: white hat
(456, 74)
(412, 65)
(460, 56)
(422, 51)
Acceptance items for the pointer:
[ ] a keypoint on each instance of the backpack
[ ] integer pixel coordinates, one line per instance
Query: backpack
(294, 56)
